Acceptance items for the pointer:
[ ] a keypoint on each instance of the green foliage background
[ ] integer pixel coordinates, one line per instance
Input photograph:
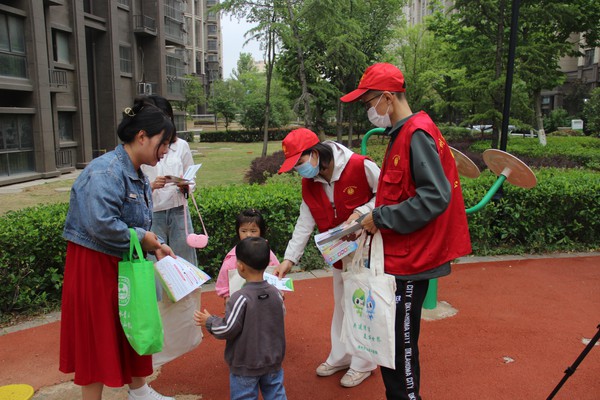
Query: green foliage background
(559, 214)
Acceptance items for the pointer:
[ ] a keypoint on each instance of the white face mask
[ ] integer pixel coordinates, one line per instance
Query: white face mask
(380, 121)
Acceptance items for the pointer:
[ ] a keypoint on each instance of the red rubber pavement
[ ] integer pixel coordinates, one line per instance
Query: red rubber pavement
(519, 325)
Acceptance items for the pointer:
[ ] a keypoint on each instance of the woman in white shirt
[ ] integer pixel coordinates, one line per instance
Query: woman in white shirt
(168, 198)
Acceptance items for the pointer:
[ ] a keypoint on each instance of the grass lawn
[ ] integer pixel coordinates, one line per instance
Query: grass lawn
(222, 164)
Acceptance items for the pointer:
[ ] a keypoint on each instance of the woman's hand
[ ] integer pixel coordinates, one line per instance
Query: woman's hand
(164, 251)
(158, 183)
(282, 269)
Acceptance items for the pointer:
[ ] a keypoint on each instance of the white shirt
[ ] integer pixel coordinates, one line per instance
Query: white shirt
(175, 162)
(306, 223)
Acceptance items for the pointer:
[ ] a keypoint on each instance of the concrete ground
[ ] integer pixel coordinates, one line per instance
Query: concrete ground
(515, 325)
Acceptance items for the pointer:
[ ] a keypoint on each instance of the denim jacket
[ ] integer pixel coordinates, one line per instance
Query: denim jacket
(107, 199)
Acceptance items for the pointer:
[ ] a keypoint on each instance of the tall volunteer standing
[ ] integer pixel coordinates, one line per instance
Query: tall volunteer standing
(419, 210)
(110, 196)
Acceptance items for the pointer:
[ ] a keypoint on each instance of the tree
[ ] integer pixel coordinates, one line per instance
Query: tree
(244, 64)
(193, 95)
(591, 113)
(224, 99)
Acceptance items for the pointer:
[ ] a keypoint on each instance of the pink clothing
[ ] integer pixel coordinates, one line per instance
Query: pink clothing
(229, 263)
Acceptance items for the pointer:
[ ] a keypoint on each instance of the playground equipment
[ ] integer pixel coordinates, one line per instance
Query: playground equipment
(506, 167)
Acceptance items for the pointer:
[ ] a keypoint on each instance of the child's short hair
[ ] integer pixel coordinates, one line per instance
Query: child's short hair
(250, 216)
(254, 252)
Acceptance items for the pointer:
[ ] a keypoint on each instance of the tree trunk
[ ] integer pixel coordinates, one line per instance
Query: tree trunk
(537, 101)
(305, 97)
(339, 115)
(270, 62)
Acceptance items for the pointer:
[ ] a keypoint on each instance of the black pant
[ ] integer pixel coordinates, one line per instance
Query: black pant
(403, 382)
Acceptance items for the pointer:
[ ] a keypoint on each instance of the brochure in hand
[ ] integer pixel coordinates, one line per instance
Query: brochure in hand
(332, 245)
(179, 277)
(236, 281)
(188, 177)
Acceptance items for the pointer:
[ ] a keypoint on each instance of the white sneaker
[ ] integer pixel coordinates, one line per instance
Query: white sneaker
(151, 394)
(327, 370)
(354, 378)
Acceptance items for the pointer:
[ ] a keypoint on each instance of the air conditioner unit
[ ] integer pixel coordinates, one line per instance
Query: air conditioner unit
(144, 88)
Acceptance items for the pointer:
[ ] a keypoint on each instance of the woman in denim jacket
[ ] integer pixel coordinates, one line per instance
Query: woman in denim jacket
(110, 196)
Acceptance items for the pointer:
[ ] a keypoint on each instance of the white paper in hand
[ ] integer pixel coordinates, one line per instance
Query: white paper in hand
(179, 277)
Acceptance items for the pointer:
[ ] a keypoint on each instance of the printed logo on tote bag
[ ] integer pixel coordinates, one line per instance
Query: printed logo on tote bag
(124, 292)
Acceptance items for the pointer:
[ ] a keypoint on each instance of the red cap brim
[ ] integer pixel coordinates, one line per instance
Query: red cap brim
(289, 163)
(353, 95)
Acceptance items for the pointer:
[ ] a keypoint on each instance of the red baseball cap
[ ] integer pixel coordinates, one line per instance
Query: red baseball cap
(294, 144)
(380, 76)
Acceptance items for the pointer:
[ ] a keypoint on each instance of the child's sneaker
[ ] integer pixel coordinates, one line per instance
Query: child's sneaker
(151, 394)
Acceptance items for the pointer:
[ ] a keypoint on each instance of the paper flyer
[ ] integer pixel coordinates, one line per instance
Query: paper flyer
(179, 277)
(188, 177)
(332, 246)
(236, 281)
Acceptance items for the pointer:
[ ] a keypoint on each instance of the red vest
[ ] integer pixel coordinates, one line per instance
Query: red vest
(351, 190)
(441, 240)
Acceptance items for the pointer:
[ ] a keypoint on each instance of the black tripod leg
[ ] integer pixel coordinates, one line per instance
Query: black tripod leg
(570, 370)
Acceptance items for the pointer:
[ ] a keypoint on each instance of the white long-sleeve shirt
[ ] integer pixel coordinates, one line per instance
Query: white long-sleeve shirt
(175, 163)
(306, 223)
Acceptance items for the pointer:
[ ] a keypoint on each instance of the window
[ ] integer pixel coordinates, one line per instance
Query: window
(212, 45)
(211, 58)
(12, 46)
(16, 144)
(212, 29)
(65, 126)
(588, 58)
(212, 16)
(125, 58)
(60, 45)
(545, 100)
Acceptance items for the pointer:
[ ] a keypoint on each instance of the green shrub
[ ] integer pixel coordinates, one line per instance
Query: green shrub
(243, 136)
(32, 258)
(559, 214)
(584, 152)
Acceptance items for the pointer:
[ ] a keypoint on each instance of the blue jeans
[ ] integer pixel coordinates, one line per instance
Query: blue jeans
(170, 226)
(246, 387)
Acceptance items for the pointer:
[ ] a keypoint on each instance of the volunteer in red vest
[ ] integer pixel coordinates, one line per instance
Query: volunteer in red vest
(337, 186)
(419, 210)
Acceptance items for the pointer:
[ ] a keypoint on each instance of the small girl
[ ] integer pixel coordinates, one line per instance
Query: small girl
(248, 223)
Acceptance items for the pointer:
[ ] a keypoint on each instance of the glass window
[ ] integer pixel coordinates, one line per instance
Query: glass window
(589, 58)
(125, 54)
(212, 44)
(65, 126)
(60, 44)
(16, 144)
(212, 29)
(12, 46)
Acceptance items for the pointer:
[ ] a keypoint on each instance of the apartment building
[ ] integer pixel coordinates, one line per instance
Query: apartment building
(581, 76)
(69, 67)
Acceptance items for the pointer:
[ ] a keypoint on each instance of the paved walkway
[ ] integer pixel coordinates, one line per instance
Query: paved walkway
(520, 323)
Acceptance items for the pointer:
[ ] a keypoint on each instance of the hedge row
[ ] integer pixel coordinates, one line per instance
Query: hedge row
(242, 136)
(559, 214)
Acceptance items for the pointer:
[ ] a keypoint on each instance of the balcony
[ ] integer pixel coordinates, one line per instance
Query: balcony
(143, 25)
(57, 78)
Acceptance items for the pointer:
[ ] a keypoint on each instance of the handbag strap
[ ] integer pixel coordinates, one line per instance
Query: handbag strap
(134, 243)
(376, 259)
(199, 215)
(357, 260)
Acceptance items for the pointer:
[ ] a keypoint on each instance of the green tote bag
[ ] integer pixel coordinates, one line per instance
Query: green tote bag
(138, 307)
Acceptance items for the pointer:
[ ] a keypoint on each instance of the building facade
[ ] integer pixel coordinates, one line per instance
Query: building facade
(582, 75)
(69, 67)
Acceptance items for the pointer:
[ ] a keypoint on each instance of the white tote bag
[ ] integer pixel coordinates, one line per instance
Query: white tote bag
(180, 332)
(369, 305)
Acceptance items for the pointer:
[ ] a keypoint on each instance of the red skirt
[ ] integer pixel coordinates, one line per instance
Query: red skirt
(92, 341)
